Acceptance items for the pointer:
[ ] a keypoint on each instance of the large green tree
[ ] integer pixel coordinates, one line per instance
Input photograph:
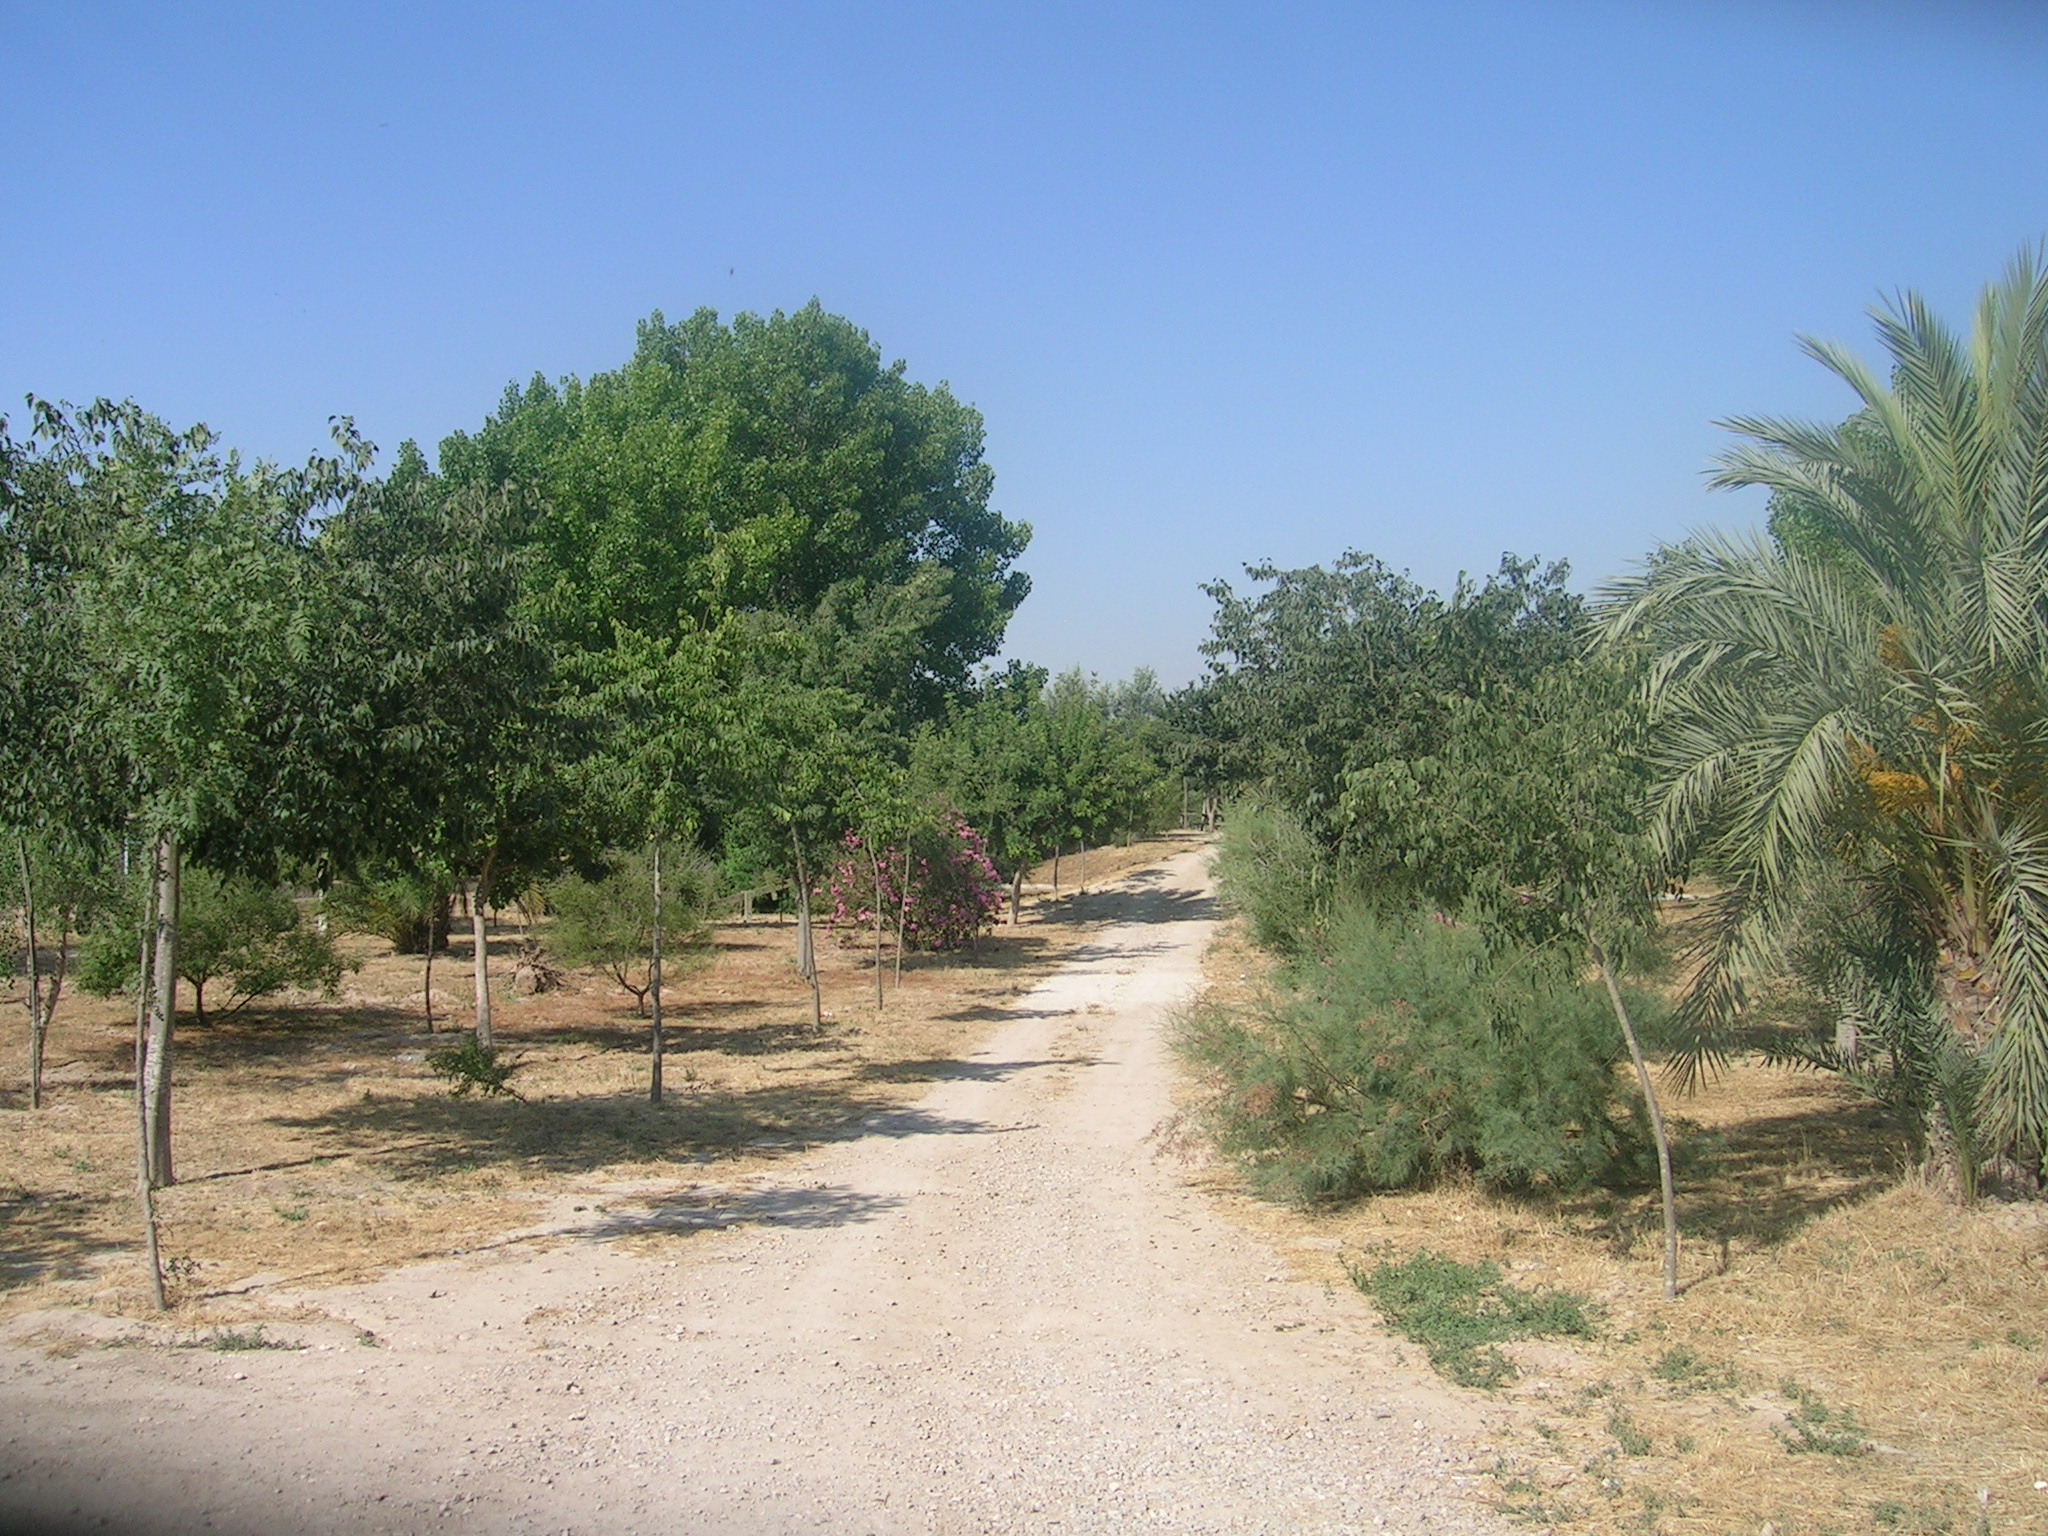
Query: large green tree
(771, 465)
(58, 795)
(1864, 698)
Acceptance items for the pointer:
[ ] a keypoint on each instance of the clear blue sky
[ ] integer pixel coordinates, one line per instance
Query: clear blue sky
(1228, 283)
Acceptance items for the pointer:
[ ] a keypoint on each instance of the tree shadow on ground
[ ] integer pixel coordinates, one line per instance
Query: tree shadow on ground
(683, 1032)
(1151, 901)
(55, 1235)
(1757, 1183)
(804, 1209)
(432, 1135)
(949, 1070)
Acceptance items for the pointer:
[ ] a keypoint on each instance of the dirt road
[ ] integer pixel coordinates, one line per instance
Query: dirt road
(1000, 1310)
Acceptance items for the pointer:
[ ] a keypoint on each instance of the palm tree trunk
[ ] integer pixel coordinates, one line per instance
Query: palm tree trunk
(1635, 1053)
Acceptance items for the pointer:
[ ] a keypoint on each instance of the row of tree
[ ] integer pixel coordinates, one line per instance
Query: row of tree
(1835, 731)
(728, 603)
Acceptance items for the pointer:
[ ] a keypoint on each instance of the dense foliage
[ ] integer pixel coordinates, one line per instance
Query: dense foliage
(1403, 1050)
(1848, 719)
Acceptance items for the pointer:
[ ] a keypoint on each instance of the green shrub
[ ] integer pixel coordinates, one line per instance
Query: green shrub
(471, 1067)
(1408, 1051)
(1274, 875)
(1459, 1313)
(608, 923)
(406, 907)
(232, 931)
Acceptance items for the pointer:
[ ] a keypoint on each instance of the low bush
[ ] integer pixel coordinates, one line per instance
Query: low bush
(245, 936)
(470, 1067)
(408, 908)
(608, 923)
(1408, 1050)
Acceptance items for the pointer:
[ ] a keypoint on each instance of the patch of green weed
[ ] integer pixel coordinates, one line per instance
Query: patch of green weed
(1684, 1368)
(236, 1340)
(1627, 1433)
(1459, 1313)
(1912, 1519)
(1813, 1428)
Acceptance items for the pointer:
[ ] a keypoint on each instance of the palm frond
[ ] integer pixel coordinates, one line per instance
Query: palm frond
(2015, 1094)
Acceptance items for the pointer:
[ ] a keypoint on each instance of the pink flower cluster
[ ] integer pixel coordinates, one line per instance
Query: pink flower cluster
(953, 893)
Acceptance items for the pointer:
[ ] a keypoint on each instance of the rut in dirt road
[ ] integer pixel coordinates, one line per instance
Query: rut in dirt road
(1000, 1310)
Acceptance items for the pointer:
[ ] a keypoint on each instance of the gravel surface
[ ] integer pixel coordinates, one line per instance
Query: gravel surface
(1003, 1309)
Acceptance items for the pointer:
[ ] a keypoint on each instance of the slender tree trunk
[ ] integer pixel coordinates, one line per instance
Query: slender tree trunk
(1082, 883)
(1016, 893)
(806, 952)
(1183, 805)
(163, 1011)
(66, 917)
(1635, 1052)
(875, 861)
(1055, 869)
(37, 1019)
(654, 985)
(144, 1193)
(482, 962)
(427, 982)
(902, 913)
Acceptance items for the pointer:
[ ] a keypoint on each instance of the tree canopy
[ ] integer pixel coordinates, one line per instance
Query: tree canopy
(769, 465)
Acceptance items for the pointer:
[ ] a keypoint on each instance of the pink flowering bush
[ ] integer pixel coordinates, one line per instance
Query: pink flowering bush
(954, 891)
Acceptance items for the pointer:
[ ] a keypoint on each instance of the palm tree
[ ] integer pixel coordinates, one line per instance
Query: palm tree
(1857, 700)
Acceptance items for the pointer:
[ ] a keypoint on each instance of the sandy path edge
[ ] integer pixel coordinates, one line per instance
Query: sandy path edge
(998, 1310)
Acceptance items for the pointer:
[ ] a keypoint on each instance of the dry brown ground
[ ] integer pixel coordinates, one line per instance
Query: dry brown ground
(1812, 1262)
(314, 1145)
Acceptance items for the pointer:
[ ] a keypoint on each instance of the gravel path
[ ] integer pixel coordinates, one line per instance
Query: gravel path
(1001, 1310)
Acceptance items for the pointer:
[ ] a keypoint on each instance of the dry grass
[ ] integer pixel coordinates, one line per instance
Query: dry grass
(313, 1144)
(1816, 1270)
